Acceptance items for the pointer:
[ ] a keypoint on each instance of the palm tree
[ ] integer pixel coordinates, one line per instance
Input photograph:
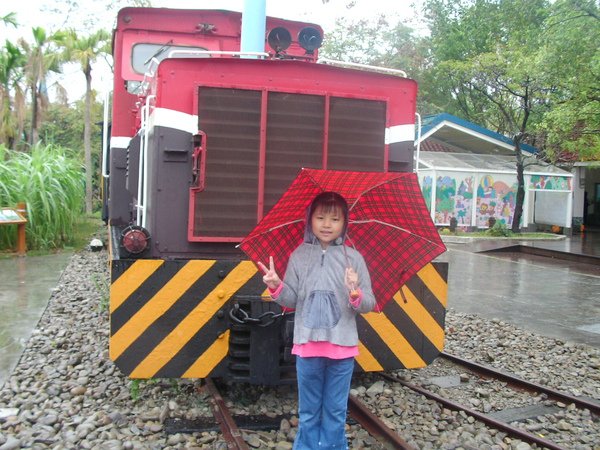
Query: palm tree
(11, 69)
(41, 59)
(10, 19)
(12, 110)
(84, 50)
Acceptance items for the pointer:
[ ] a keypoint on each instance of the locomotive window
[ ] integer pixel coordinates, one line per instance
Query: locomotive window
(142, 54)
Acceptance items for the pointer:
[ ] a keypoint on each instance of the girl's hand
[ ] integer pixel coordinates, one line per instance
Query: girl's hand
(351, 279)
(271, 279)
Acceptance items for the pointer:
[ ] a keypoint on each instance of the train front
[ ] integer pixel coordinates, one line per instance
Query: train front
(216, 139)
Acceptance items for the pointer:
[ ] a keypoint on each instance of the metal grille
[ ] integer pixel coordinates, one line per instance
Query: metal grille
(294, 140)
(356, 134)
(231, 120)
(295, 134)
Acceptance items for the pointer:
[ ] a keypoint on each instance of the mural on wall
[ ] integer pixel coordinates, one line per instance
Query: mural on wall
(463, 205)
(457, 194)
(452, 201)
(550, 183)
(426, 186)
(445, 191)
(496, 198)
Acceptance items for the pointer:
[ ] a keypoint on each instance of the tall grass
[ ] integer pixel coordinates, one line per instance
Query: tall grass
(51, 182)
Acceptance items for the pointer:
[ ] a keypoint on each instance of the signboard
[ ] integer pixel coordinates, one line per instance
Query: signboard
(9, 215)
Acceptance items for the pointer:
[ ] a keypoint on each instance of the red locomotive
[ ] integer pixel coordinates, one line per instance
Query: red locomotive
(204, 140)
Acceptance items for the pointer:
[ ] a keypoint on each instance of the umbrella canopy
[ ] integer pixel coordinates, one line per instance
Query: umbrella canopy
(389, 224)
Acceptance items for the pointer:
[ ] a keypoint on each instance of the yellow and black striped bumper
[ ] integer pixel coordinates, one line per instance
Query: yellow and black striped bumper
(171, 319)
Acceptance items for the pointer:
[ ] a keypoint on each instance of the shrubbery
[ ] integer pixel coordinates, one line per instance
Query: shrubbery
(51, 181)
(499, 229)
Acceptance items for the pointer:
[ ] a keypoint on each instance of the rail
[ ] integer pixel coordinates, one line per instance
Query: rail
(230, 430)
(229, 425)
(370, 422)
(200, 53)
(523, 384)
(492, 422)
(351, 65)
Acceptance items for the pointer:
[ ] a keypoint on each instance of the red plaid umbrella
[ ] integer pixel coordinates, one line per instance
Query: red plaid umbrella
(389, 224)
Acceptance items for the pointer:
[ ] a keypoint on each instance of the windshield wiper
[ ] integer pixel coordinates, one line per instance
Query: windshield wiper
(159, 52)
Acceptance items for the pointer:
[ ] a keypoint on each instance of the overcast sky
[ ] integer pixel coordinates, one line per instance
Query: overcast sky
(31, 13)
(38, 12)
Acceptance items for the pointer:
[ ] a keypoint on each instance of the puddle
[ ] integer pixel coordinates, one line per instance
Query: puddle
(27, 285)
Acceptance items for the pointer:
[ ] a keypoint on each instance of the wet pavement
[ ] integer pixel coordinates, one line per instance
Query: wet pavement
(26, 284)
(548, 295)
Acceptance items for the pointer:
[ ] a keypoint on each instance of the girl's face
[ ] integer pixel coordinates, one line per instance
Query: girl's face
(327, 226)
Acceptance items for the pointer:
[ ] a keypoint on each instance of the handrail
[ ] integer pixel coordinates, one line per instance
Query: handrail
(150, 71)
(418, 142)
(105, 136)
(216, 52)
(384, 70)
(142, 195)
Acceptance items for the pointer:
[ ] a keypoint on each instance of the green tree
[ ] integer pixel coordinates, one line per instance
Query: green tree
(64, 127)
(11, 94)
(12, 97)
(84, 50)
(10, 19)
(379, 42)
(571, 52)
(487, 53)
(42, 58)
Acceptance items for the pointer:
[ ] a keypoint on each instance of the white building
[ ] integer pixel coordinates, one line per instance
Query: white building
(468, 172)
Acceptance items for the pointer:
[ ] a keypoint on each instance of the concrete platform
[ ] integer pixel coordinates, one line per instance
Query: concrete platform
(556, 295)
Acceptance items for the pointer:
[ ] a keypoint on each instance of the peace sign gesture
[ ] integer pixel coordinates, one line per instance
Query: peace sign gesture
(271, 279)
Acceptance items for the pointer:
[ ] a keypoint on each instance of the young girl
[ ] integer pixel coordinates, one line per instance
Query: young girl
(327, 283)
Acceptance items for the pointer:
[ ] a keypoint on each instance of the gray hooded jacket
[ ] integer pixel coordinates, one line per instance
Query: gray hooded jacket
(314, 285)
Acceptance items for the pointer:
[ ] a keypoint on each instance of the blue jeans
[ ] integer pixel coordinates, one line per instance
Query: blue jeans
(323, 389)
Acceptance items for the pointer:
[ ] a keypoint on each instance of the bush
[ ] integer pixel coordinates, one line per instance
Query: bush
(499, 230)
(51, 182)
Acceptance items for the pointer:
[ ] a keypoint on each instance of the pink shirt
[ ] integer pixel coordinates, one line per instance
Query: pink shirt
(322, 348)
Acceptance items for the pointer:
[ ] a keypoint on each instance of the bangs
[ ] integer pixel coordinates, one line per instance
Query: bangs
(330, 202)
(329, 208)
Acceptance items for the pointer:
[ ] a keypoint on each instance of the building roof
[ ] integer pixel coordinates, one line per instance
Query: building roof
(470, 162)
(459, 135)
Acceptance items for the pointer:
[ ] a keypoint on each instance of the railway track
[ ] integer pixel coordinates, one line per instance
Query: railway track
(519, 383)
(233, 434)
(386, 435)
(369, 414)
(509, 427)
(373, 424)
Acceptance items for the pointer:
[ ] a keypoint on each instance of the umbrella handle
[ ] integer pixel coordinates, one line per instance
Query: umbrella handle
(354, 294)
(346, 255)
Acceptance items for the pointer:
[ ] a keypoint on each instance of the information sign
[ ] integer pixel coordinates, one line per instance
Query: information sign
(9, 215)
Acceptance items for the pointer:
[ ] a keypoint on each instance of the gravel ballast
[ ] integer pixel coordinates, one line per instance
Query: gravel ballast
(65, 393)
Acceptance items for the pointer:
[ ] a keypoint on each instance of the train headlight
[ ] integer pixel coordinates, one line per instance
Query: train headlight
(279, 39)
(310, 39)
(135, 239)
